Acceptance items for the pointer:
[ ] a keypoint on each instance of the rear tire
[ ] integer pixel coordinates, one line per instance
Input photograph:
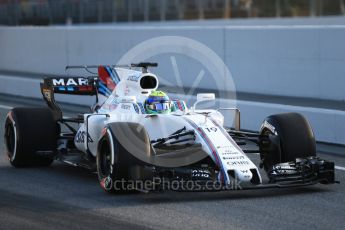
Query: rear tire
(28, 130)
(293, 137)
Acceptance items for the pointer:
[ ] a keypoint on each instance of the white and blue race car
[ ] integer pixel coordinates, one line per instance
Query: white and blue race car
(182, 149)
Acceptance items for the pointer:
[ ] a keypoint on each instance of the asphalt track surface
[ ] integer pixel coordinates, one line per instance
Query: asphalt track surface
(64, 197)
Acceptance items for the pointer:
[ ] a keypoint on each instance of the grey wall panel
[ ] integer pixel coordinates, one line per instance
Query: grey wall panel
(300, 61)
(40, 50)
(288, 61)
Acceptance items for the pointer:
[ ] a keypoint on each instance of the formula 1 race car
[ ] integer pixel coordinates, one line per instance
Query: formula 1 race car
(137, 138)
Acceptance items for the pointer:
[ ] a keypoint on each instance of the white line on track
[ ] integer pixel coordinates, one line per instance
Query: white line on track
(6, 107)
(10, 107)
(339, 168)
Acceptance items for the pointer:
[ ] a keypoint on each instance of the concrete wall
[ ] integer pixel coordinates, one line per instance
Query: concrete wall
(33, 49)
(297, 61)
(301, 61)
(289, 61)
(328, 125)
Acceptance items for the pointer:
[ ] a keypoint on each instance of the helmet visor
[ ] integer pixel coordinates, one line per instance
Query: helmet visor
(159, 106)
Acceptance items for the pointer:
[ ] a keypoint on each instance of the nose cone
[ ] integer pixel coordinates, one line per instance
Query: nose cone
(244, 175)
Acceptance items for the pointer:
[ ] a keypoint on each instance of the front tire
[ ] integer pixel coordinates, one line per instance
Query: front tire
(112, 165)
(28, 131)
(290, 137)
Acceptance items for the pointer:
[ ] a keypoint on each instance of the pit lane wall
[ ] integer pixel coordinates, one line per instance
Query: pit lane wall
(295, 61)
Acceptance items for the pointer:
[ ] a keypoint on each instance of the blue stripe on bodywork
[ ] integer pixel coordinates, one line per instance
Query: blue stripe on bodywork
(136, 108)
(104, 90)
(113, 75)
(176, 105)
(110, 73)
(211, 147)
(141, 106)
(102, 86)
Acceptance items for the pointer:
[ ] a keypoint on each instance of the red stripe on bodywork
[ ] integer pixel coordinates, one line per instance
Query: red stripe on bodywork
(211, 147)
(214, 152)
(106, 78)
(179, 105)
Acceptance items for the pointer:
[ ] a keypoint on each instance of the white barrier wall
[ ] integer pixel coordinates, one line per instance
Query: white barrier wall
(296, 61)
(300, 61)
(328, 125)
(27, 49)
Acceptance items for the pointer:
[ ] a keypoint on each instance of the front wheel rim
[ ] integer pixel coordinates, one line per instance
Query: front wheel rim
(105, 160)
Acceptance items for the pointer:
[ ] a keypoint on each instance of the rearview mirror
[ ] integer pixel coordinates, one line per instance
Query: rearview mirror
(200, 97)
(205, 97)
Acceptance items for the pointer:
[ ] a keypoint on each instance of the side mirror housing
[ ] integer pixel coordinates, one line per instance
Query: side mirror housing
(200, 97)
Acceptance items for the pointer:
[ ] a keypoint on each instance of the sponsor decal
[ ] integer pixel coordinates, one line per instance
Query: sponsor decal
(47, 94)
(75, 81)
(133, 78)
(211, 129)
(125, 107)
(80, 137)
(238, 163)
(228, 150)
(200, 173)
(128, 100)
(234, 158)
(270, 127)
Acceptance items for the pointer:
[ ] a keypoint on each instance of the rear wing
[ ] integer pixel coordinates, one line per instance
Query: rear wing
(103, 84)
(66, 85)
(71, 85)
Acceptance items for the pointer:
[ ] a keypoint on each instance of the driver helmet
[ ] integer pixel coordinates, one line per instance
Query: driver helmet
(158, 103)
